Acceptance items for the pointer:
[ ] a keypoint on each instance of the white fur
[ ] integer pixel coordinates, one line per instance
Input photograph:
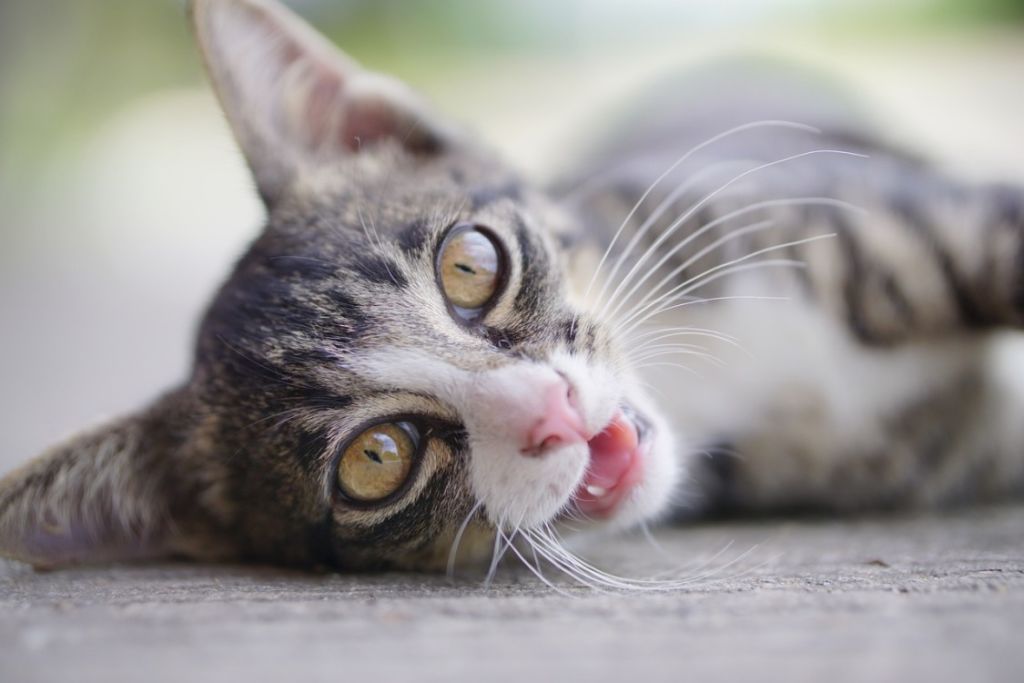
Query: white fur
(793, 348)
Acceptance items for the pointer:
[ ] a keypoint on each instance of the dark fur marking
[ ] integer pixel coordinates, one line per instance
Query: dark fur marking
(457, 439)
(1018, 293)
(1009, 204)
(309, 449)
(351, 313)
(380, 270)
(970, 314)
(504, 339)
(414, 236)
(321, 544)
(533, 265)
(570, 330)
(718, 475)
(302, 267)
(900, 303)
(258, 307)
(852, 284)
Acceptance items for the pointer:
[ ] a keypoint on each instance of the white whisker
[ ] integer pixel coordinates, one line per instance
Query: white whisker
(651, 221)
(667, 334)
(670, 331)
(458, 538)
(675, 165)
(713, 299)
(496, 554)
(665, 353)
(732, 234)
(711, 195)
(702, 279)
(535, 570)
(662, 305)
(665, 364)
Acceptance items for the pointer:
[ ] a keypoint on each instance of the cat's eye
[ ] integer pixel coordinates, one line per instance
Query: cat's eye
(470, 269)
(378, 461)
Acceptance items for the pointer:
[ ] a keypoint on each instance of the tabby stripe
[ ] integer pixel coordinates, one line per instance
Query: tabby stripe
(533, 266)
(852, 285)
(1010, 204)
(970, 313)
(414, 236)
(900, 303)
(570, 328)
(1018, 294)
(380, 270)
(310, 449)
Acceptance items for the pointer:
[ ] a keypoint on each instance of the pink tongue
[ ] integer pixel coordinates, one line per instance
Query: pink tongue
(611, 453)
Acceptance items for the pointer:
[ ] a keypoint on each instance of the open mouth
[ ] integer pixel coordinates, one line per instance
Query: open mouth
(616, 464)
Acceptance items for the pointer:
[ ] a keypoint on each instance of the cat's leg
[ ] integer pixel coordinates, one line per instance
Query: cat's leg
(927, 258)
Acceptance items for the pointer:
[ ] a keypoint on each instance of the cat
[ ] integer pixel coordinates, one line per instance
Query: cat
(745, 302)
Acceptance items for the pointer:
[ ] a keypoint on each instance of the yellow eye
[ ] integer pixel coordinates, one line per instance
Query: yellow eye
(377, 462)
(470, 268)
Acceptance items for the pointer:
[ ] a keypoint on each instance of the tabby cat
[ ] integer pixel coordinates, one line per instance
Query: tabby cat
(424, 360)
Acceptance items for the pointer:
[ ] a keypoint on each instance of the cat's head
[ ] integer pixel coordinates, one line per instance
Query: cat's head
(397, 360)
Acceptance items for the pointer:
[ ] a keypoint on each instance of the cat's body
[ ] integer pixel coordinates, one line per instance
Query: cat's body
(418, 356)
(868, 383)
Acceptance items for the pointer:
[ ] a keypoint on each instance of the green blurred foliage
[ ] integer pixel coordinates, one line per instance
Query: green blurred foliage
(974, 10)
(67, 65)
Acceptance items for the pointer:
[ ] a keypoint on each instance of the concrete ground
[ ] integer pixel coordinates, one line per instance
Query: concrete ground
(930, 598)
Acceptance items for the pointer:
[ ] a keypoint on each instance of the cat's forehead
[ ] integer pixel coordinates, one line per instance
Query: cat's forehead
(387, 170)
(351, 263)
(390, 194)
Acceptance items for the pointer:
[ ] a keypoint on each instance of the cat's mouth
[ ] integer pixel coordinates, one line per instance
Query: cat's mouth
(616, 464)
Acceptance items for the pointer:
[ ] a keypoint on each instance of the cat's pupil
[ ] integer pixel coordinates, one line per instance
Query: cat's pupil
(465, 269)
(382, 447)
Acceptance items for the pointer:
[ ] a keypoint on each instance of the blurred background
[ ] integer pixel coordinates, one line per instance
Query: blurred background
(123, 201)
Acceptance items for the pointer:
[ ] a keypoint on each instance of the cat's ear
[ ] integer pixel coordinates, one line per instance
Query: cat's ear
(295, 101)
(114, 493)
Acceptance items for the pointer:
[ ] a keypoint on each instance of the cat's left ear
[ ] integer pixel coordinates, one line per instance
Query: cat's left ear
(295, 101)
(139, 487)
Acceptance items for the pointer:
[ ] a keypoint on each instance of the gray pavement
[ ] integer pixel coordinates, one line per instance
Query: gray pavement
(936, 598)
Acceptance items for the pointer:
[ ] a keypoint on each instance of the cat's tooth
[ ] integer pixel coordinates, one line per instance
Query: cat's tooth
(596, 491)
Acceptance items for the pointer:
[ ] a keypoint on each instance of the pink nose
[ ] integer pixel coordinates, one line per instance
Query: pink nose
(559, 425)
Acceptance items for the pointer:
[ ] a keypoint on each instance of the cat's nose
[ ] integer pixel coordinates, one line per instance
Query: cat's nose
(560, 423)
